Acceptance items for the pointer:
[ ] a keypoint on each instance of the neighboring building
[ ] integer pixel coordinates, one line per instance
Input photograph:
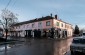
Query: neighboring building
(45, 24)
(1, 32)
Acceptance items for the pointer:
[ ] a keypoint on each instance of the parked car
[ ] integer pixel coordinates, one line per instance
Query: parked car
(83, 34)
(1, 35)
(78, 45)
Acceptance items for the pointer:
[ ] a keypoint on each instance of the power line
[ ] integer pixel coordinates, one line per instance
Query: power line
(15, 2)
(14, 6)
(8, 4)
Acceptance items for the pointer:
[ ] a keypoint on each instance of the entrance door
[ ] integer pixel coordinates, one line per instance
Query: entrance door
(29, 33)
(65, 33)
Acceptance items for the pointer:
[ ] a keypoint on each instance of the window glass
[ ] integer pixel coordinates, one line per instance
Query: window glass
(39, 24)
(80, 41)
(32, 25)
(48, 23)
(62, 25)
(76, 41)
(57, 23)
(84, 34)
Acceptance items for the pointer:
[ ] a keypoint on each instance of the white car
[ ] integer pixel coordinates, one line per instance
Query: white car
(78, 45)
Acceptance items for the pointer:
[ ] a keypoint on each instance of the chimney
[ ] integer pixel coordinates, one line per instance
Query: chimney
(56, 16)
(51, 14)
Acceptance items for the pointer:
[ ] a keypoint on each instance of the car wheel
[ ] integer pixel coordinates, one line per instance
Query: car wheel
(72, 53)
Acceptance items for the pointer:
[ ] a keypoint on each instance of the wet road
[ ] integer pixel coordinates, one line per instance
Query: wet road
(38, 47)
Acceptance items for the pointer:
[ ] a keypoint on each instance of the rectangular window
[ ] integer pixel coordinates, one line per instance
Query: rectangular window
(62, 25)
(27, 25)
(57, 23)
(48, 23)
(39, 24)
(32, 25)
(19, 27)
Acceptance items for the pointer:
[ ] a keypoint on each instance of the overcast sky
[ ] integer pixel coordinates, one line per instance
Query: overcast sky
(71, 11)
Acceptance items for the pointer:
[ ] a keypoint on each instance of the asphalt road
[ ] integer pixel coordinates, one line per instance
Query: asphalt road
(37, 47)
(68, 53)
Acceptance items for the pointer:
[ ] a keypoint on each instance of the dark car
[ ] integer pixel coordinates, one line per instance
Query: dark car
(78, 45)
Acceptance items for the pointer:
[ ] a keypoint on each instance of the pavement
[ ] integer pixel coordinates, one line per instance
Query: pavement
(37, 47)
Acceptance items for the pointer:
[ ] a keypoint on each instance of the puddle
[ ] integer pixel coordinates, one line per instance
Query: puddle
(10, 45)
(4, 47)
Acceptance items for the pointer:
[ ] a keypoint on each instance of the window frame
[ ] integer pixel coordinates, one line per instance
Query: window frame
(61, 24)
(39, 24)
(57, 23)
(32, 25)
(48, 23)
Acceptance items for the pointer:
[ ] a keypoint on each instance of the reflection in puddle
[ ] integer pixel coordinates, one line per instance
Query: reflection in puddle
(62, 47)
(2, 48)
(37, 47)
(6, 47)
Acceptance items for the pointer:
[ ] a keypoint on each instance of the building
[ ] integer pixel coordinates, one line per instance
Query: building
(1, 30)
(45, 26)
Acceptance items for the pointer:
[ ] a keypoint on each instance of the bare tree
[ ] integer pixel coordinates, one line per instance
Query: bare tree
(8, 19)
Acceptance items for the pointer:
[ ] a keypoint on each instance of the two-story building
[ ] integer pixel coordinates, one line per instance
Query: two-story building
(44, 26)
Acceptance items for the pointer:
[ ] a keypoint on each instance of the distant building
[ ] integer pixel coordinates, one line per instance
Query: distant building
(45, 24)
(1, 32)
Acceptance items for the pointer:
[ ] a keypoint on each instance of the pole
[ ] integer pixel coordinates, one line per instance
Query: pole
(6, 29)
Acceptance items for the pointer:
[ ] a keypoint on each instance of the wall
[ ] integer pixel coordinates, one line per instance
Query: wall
(28, 26)
(66, 26)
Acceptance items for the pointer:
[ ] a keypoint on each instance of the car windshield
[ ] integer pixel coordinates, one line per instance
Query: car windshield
(84, 34)
(80, 41)
(75, 41)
